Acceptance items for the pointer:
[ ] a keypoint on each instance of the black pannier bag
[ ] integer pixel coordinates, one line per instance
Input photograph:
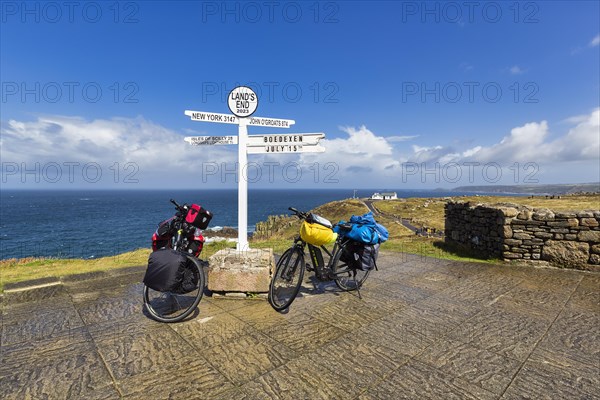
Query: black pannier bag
(167, 272)
(360, 255)
(164, 228)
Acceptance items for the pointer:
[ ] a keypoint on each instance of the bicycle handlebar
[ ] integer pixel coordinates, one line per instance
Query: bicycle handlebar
(179, 207)
(299, 214)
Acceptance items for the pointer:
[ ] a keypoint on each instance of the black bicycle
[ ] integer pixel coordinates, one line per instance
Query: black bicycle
(289, 271)
(181, 235)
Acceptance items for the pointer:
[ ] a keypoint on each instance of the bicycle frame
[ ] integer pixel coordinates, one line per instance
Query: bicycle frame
(316, 256)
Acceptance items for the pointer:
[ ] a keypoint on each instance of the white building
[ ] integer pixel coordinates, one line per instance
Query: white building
(384, 196)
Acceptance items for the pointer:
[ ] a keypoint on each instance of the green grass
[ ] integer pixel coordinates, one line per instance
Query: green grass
(18, 270)
(278, 245)
(433, 247)
(24, 269)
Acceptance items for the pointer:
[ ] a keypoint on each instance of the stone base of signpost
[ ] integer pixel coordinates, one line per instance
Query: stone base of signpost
(234, 271)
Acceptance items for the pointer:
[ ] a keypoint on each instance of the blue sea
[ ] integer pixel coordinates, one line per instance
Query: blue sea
(91, 224)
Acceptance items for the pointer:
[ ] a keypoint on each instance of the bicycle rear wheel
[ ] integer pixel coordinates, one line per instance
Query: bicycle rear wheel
(346, 277)
(172, 306)
(287, 279)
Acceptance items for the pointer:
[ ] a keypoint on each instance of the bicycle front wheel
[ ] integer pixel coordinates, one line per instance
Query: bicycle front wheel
(175, 306)
(347, 277)
(287, 279)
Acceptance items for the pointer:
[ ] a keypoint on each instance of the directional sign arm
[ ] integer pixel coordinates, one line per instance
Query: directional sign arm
(211, 140)
(270, 122)
(204, 116)
(288, 138)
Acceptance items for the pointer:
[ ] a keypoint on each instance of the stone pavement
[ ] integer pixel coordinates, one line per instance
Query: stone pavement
(425, 328)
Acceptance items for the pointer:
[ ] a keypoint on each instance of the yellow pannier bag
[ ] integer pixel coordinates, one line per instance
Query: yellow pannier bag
(316, 234)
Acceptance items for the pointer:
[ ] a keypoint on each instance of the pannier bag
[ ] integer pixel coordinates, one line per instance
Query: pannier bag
(198, 216)
(365, 230)
(164, 228)
(360, 256)
(363, 234)
(159, 242)
(167, 272)
(316, 234)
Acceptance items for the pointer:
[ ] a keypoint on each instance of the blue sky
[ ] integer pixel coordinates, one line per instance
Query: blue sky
(409, 94)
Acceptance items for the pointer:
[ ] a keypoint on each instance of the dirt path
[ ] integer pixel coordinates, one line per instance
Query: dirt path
(405, 222)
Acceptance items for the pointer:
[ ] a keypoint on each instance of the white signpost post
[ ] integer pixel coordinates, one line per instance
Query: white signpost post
(242, 102)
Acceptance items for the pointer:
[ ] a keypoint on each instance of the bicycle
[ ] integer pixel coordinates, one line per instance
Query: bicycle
(181, 236)
(289, 270)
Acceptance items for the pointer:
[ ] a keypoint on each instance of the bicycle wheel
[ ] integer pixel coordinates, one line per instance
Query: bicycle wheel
(287, 279)
(346, 277)
(171, 306)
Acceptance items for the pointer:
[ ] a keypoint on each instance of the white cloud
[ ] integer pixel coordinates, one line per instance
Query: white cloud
(516, 70)
(156, 150)
(592, 43)
(164, 159)
(576, 119)
(528, 143)
(394, 139)
(359, 152)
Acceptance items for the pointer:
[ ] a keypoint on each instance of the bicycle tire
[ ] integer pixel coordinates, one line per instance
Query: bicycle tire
(346, 277)
(283, 288)
(174, 307)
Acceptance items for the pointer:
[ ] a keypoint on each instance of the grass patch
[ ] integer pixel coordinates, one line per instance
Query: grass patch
(278, 245)
(433, 247)
(18, 270)
(24, 269)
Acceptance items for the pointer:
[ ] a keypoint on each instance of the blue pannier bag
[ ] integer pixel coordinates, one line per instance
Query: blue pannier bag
(363, 234)
(366, 230)
(383, 233)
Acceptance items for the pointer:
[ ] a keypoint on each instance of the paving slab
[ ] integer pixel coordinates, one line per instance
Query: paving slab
(62, 367)
(488, 370)
(422, 328)
(546, 376)
(417, 380)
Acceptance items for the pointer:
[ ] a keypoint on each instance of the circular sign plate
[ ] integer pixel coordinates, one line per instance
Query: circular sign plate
(242, 101)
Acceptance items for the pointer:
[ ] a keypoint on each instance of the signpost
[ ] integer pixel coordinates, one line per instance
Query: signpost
(243, 102)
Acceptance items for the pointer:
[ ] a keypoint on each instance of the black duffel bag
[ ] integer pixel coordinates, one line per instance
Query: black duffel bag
(360, 255)
(169, 271)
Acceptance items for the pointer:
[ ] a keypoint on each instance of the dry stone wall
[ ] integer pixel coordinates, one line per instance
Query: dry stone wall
(515, 232)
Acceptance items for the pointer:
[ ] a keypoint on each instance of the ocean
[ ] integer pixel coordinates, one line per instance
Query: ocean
(91, 224)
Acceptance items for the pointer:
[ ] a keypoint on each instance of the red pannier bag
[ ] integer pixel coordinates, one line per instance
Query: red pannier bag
(198, 216)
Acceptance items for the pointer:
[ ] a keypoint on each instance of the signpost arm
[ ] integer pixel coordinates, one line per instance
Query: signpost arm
(242, 186)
